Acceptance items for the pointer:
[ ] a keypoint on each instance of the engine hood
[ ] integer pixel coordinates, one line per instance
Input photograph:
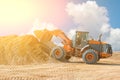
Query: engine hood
(95, 42)
(100, 46)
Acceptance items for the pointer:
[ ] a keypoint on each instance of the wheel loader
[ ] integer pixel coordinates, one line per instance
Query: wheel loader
(91, 51)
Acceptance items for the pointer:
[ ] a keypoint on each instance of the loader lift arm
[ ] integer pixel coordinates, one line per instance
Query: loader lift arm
(46, 35)
(66, 41)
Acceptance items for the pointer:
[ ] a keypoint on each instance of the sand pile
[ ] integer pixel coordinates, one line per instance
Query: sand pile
(25, 49)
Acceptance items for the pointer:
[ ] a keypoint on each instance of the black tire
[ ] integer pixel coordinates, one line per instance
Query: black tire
(58, 53)
(67, 57)
(90, 57)
(98, 58)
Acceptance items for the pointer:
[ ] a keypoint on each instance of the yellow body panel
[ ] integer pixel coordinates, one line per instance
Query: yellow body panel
(105, 55)
(96, 42)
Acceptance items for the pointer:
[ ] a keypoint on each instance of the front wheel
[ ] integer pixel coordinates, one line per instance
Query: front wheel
(58, 53)
(98, 58)
(90, 57)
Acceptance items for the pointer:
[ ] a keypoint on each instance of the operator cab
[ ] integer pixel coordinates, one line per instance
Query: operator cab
(80, 39)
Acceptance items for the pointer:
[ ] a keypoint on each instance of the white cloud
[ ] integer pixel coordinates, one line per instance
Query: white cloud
(71, 33)
(114, 38)
(105, 28)
(37, 25)
(94, 18)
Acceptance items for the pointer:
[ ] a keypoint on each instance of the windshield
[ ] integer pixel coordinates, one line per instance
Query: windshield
(80, 38)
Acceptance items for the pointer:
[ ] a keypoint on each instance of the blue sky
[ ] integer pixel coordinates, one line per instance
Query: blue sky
(113, 11)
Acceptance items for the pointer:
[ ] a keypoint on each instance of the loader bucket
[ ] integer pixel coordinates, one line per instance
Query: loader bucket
(45, 37)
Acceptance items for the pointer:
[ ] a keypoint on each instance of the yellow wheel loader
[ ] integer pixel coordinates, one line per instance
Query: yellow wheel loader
(90, 51)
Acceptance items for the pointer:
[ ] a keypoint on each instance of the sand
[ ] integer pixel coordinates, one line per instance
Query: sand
(105, 69)
(26, 49)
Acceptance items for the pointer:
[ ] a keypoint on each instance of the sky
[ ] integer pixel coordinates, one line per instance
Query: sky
(95, 16)
(113, 11)
(18, 16)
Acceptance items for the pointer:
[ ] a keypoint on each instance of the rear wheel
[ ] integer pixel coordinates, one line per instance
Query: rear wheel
(67, 57)
(98, 58)
(58, 53)
(90, 57)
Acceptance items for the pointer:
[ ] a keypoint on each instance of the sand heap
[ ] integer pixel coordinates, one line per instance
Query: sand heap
(26, 49)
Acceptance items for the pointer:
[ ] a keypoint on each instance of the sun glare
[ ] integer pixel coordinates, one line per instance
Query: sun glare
(15, 11)
(17, 16)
